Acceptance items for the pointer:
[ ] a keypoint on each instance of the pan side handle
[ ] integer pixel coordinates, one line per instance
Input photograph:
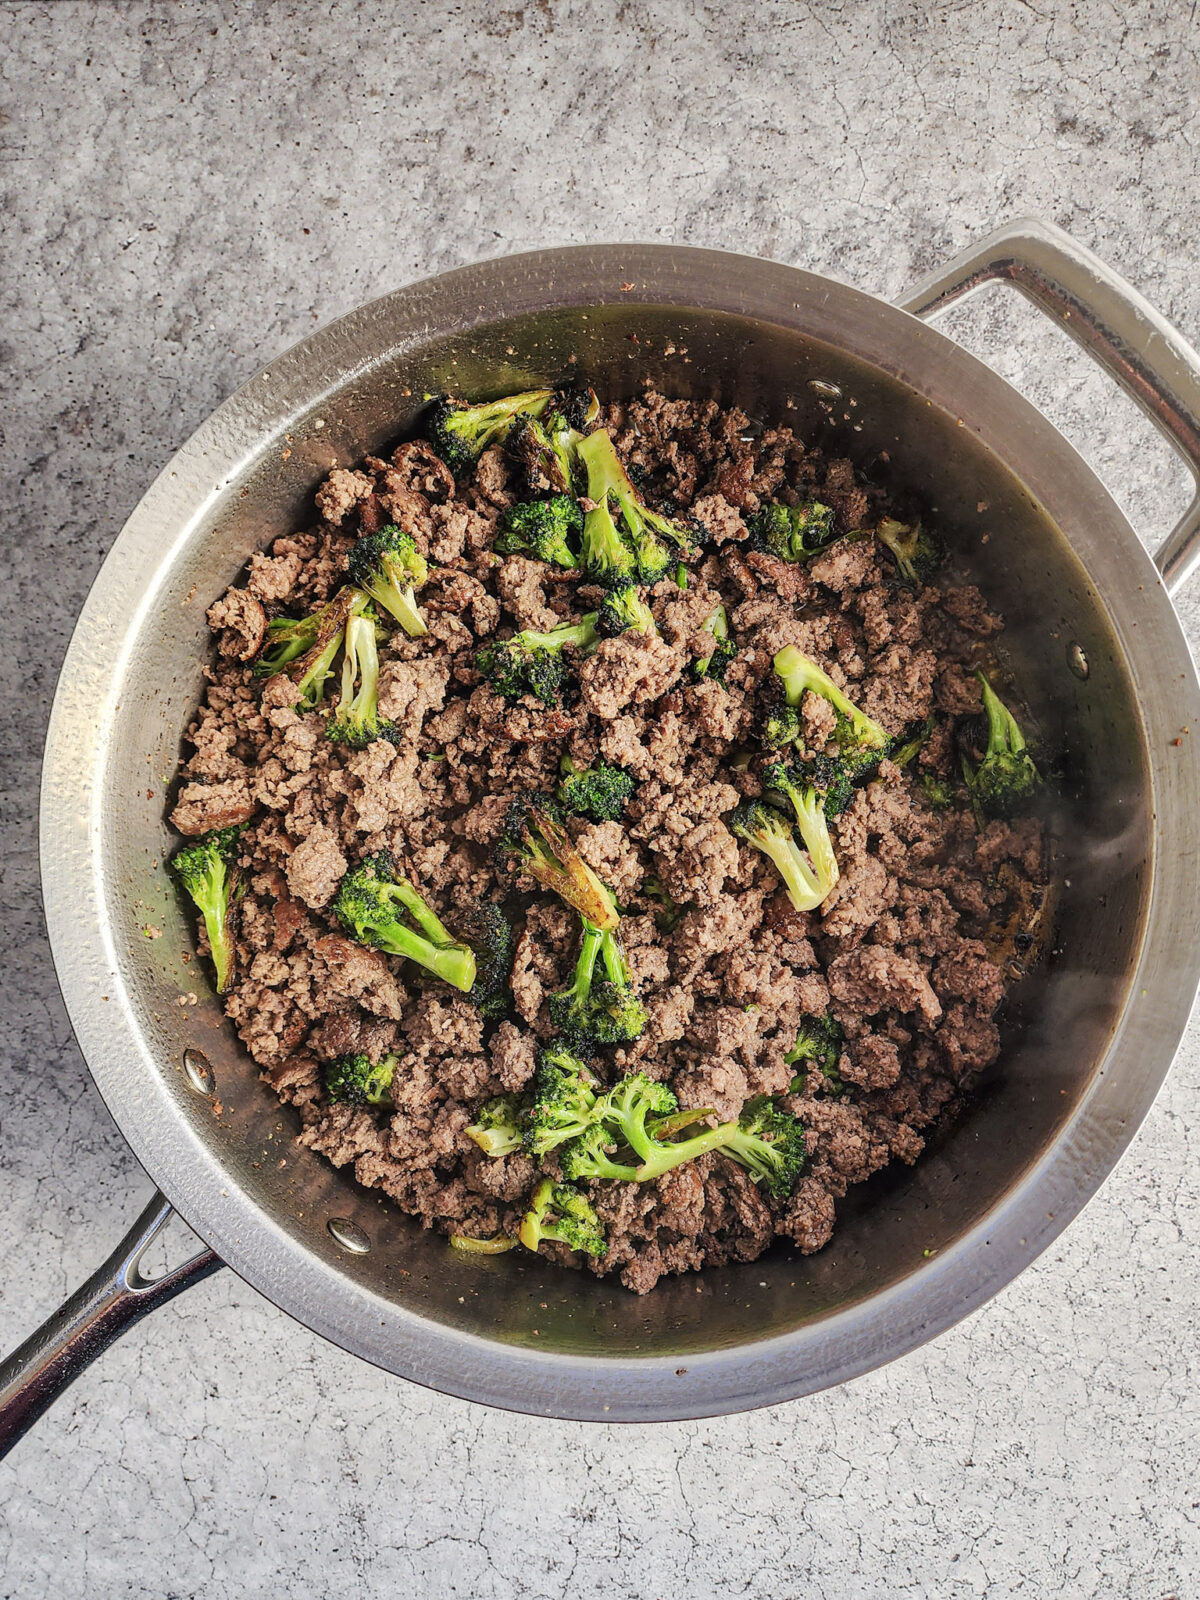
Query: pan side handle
(114, 1297)
(1149, 358)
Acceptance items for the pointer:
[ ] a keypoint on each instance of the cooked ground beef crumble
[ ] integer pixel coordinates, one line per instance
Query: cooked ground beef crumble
(903, 952)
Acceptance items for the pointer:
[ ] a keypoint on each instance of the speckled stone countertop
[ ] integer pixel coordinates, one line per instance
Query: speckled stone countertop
(186, 190)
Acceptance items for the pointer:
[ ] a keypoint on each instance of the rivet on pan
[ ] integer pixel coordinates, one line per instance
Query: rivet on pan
(1077, 661)
(823, 387)
(200, 1073)
(349, 1235)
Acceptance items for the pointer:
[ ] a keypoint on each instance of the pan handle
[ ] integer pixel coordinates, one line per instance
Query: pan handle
(114, 1297)
(1151, 361)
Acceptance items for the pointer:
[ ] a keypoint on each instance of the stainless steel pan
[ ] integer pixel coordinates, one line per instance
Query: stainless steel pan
(1096, 647)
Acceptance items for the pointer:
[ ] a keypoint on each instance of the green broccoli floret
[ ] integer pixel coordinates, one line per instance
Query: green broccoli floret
(782, 727)
(793, 533)
(632, 545)
(600, 792)
(207, 869)
(545, 447)
(461, 433)
(564, 1099)
(532, 663)
(808, 802)
(307, 647)
(765, 829)
(917, 553)
(837, 777)
(723, 650)
(634, 1116)
(357, 722)
(534, 841)
(488, 931)
(1006, 777)
(769, 1143)
(855, 730)
(499, 1126)
(599, 1010)
(819, 1041)
(624, 611)
(938, 791)
(368, 905)
(388, 566)
(558, 1211)
(357, 1081)
(542, 529)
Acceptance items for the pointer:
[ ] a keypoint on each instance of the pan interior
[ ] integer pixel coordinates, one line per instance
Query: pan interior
(1058, 1023)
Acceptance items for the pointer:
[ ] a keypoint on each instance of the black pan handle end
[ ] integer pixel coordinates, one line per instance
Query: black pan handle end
(112, 1299)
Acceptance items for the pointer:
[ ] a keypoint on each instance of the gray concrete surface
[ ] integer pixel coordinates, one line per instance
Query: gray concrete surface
(185, 191)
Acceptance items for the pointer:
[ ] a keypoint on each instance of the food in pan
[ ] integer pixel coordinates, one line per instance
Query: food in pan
(608, 831)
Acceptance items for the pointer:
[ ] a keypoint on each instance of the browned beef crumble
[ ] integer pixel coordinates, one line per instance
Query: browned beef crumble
(902, 951)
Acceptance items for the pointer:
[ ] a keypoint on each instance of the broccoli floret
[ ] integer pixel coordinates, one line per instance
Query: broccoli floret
(769, 1144)
(534, 841)
(532, 663)
(723, 650)
(1006, 777)
(917, 553)
(624, 611)
(388, 566)
(782, 727)
(819, 1041)
(599, 1010)
(635, 548)
(564, 1099)
(357, 722)
(764, 828)
(308, 647)
(808, 802)
(557, 1211)
(855, 730)
(600, 792)
(487, 930)
(631, 1117)
(541, 528)
(793, 533)
(207, 869)
(545, 448)
(368, 905)
(499, 1126)
(461, 433)
(938, 791)
(357, 1081)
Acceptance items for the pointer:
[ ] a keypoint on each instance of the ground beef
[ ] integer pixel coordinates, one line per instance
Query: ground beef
(904, 952)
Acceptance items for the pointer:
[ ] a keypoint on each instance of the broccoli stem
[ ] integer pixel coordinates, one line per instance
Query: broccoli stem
(453, 963)
(799, 674)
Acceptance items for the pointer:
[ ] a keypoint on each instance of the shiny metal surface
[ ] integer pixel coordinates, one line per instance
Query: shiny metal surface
(1089, 1039)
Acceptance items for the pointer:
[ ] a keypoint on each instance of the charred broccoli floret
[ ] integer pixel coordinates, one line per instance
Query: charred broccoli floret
(357, 722)
(532, 663)
(808, 803)
(723, 649)
(1006, 777)
(488, 931)
(499, 1125)
(356, 1080)
(624, 611)
(819, 1041)
(461, 433)
(207, 869)
(542, 529)
(564, 1099)
(368, 905)
(916, 552)
(599, 792)
(637, 543)
(769, 1143)
(599, 1009)
(388, 566)
(534, 841)
(782, 727)
(765, 829)
(544, 448)
(307, 647)
(793, 533)
(798, 673)
(558, 1211)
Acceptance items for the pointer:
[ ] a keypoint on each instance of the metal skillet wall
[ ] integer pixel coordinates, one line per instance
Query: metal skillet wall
(1093, 1034)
